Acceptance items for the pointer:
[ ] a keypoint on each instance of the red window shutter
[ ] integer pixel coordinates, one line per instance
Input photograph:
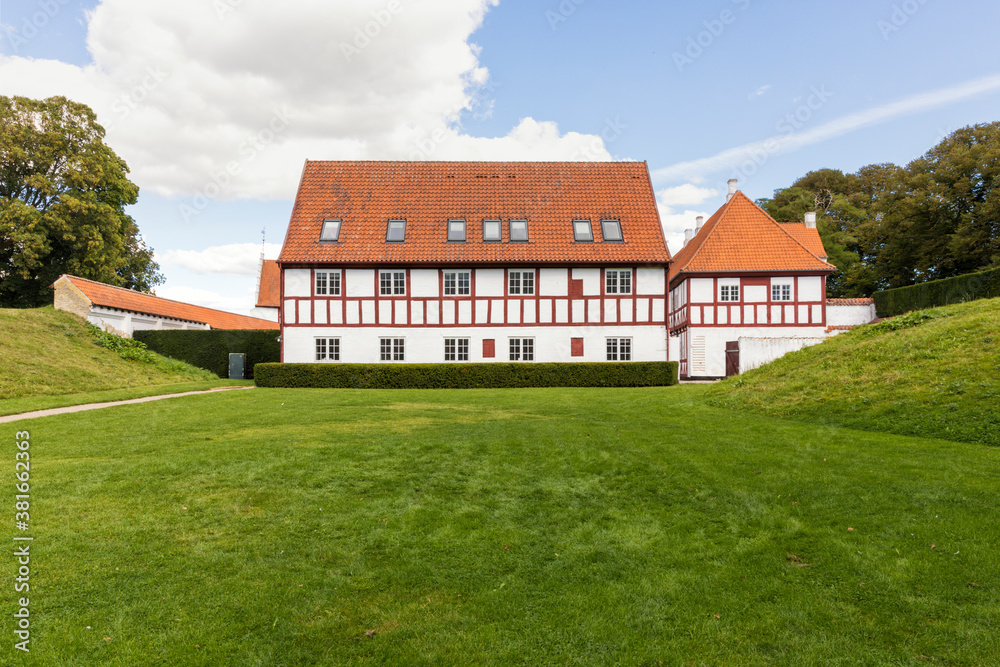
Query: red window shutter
(489, 348)
(575, 289)
(576, 347)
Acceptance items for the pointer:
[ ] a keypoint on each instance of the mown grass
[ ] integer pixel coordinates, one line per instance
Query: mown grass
(44, 352)
(500, 527)
(934, 373)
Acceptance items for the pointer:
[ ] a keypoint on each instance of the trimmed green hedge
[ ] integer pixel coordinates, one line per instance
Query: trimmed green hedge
(209, 349)
(972, 286)
(467, 376)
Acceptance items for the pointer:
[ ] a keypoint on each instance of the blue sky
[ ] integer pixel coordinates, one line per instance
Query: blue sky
(214, 104)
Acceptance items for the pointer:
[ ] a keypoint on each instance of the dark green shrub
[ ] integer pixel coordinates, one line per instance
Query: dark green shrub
(972, 286)
(127, 348)
(467, 376)
(210, 349)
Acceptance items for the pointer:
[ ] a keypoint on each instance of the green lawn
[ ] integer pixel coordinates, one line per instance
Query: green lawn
(499, 527)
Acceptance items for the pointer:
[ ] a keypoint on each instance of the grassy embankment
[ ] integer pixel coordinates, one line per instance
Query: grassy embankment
(934, 373)
(50, 359)
(502, 527)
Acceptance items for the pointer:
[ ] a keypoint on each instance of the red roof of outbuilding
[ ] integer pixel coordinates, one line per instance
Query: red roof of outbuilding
(109, 296)
(807, 236)
(269, 291)
(550, 195)
(741, 237)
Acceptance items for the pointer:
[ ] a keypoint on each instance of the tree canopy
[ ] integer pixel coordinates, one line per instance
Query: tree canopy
(63, 194)
(888, 226)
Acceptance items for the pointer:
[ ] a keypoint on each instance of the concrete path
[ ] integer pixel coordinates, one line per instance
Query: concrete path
(97, 406)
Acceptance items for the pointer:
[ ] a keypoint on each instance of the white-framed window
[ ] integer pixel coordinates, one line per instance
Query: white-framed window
(395, 231)
(522, 349)
(456, 349)
(331, 230)
(456, 231)
(611, 231)
(521, 282)
(327, 349)
(618, 281)
(518, 231)
(457, 283)
(582, 231)
(392, 283)
(392, 349)
(781, 292)
(729, 293)
(619, 349)
(492, 231)
(328, 283)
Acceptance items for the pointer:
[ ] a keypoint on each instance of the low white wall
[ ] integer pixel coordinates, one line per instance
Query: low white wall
(840, 316)
(755, 352)
(712, 340)
(124, 323)
(361, 345)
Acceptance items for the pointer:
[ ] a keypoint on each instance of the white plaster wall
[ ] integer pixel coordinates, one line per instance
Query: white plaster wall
(297, 282)
(810, 288)
(756, 352)
(591, 280)
(265, 313)
(839, 316)
(717, 337)
(360, 282)
(489, 282)
(650, 281)
(755, 293)
(553, 282)
(701, 290)
(427, 345)
(424, 282)
(124, 323)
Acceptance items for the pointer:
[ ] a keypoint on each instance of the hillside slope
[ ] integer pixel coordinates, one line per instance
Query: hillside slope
(934, 373)
(47, 352)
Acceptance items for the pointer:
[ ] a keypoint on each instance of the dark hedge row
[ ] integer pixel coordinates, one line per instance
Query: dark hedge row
(984, 285)
(210, 349)
(467, 376)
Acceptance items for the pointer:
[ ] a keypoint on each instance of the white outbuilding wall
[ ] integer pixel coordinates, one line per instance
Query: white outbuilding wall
(755, 352)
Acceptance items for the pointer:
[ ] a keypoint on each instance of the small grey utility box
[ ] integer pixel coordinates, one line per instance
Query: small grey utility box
(236, 362)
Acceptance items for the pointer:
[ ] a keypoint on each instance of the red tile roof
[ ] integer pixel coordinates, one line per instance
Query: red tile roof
(741, 237)
(137, 302)
(550, 195)
(850, 302)
(807, 236)
(269, 290)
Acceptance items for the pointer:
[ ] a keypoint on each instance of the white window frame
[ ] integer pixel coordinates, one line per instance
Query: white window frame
(330, 285)
(393, 288)
(456, 349)
(619, 349)
(613, 281)
(327, 348)
(457, 288)
(392, 349)
(521, 349)
(781, 291)
(520, 289)
(729, 293)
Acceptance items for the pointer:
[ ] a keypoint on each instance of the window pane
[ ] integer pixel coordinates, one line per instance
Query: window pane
(385, 283)
(335, 349)
(456, 230)
(527, 282)
(491, 230)
(625, 349)
(399, 282)
(449, 349)
(335, 283)
(463, 349)
(611, 282)
(514, 283)
(528, 349)
(396, 231)
(611, 230)
(518, 230)
(449, 283)
(624, 282)
(331, 230)
(515, 349)
(320, 349)
(320, 283)
(464, 283)
(582, 231)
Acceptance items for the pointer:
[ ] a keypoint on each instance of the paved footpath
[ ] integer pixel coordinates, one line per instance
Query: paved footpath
(97, 406)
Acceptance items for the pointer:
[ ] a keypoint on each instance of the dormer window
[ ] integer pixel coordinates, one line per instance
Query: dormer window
(456, 231)
(519, 231)
(331, 231)
(582, 233)
(491, 231)
(611, 231)
(396, 231)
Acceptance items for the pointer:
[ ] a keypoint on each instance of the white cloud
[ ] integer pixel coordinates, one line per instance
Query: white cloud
(687, 194)
(758, 151)
(760, 91)
(228, 98)
(206, 298)
(240, 259)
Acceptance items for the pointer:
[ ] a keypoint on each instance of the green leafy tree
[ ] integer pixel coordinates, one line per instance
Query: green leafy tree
(63, 194)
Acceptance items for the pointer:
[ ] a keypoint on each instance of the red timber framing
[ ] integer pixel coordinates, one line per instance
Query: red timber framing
(541, 310)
